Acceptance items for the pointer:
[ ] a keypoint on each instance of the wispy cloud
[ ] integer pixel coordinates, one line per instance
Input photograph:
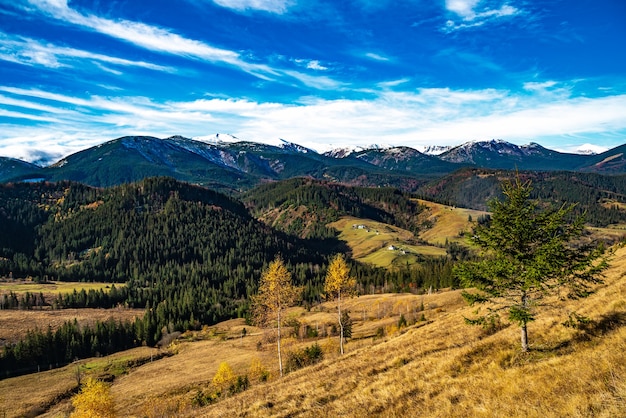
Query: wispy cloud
(392, 83)
(421, 117)
(376, 57)
(539, 86)
(28, 51)
(162, 40)
(269, 6)
(474, 13)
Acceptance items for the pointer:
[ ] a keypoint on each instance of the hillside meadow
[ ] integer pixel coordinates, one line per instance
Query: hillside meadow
(52, 289)
(446, 368)
(436, 366)
(14, 324)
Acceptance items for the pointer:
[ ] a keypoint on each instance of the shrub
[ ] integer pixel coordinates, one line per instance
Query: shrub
(304, 357)
(94, 400)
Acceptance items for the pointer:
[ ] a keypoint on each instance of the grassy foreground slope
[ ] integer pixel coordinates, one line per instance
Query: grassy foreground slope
(437, 367)
(445, 368)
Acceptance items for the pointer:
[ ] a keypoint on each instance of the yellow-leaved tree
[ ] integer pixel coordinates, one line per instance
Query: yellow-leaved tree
(93, 401)
(339, 284)
(224, 377)
(276, 293)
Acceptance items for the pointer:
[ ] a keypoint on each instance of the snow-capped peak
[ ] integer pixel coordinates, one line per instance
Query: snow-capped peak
(590, 149)
(284, 144)
(217, 139)
(433, 149)
(343, 152)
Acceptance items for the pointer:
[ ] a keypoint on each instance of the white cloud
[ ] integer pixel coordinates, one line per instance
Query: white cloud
(137, 33)
(539, 86)
(311, 64)
(463, 8)
(315, 65)
(270, 6)
(32, 52)
(475, 13)
(392, 83)
(423, 117)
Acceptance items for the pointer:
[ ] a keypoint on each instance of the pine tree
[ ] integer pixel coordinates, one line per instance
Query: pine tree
(276, 293)
(529, 252)
(339, 283)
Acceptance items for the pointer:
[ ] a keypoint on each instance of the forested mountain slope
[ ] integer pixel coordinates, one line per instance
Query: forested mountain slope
(190, 252)
(304, 207)
(601, 197)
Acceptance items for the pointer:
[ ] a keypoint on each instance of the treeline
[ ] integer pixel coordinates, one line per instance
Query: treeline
(50, 349)
(77, 299)
(23, 301)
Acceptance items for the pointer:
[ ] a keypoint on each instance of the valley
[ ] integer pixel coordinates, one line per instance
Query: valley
(148, 286)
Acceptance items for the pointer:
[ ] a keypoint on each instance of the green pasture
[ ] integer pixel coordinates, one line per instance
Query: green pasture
(371, 241)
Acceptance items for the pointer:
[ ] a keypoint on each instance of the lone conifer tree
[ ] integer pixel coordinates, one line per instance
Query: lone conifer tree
(276, 293)
(339, 283)
(529, 252)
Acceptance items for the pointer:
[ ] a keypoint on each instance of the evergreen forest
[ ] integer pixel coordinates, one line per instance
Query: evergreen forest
(190, 256)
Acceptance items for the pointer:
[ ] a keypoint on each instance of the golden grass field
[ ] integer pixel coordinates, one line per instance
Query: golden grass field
(445, 368)
(52, 289)
(15, 323)
(437, 367)
(370, 243)
(448, 222)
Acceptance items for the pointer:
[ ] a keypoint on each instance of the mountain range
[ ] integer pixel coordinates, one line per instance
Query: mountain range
(226, 163)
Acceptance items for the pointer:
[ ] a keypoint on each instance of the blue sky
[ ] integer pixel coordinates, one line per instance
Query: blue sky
(319, 73)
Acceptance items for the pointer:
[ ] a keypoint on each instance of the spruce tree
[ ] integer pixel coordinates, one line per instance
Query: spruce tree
(529, 252)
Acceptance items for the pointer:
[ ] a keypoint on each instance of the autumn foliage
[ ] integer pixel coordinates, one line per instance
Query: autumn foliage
(93, 401)
(276, 293)
(339, 284)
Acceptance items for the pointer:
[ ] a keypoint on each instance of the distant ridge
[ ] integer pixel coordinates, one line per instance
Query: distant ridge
(225, 162)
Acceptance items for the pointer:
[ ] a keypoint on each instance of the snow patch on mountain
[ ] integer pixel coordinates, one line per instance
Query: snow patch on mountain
(590, 149)
(344, 152)
(290, 146)
(217, 139)
(433, 149)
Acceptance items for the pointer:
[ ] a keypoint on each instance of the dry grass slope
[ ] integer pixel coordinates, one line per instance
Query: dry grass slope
(437, 367)
(14, 324)
(444, 368)
(448, 222)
